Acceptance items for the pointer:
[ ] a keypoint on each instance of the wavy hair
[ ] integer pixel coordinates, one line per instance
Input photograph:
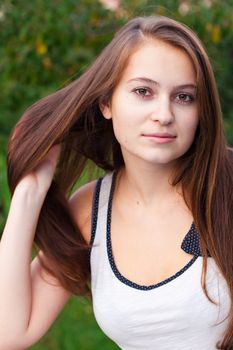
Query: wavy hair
(72, 116)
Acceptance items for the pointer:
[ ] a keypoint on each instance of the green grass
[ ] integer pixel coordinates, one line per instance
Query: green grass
(75, 329)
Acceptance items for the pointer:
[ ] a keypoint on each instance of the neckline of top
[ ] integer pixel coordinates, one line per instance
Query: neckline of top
(185, 245)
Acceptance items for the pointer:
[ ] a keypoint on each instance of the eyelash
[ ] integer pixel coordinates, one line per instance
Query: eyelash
(190, 100)
(141, 88)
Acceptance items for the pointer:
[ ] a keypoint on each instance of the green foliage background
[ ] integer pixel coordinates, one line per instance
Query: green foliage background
(46, 44)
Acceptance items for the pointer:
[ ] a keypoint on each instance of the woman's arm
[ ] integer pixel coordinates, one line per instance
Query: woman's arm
(28, 304)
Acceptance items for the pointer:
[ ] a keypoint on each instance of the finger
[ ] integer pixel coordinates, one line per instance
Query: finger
(54, 153)
(45, 170)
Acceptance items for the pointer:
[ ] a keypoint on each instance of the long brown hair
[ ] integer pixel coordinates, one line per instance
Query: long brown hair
(72, 116)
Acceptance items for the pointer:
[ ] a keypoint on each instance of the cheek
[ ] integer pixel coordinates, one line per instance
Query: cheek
(191, 127)
(189, 120)
(194, 122)
(121, 130)
(124, 125)
(125, 118)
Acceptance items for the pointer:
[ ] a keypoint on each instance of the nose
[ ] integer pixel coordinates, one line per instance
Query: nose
(162, 110)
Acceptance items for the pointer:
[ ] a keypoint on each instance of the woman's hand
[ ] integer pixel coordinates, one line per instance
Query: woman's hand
(39, 180)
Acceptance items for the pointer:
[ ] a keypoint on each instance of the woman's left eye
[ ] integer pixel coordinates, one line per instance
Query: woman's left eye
(184, 98)
(142, 92)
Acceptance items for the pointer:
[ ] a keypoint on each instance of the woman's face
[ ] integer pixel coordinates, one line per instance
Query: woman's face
(154, 106)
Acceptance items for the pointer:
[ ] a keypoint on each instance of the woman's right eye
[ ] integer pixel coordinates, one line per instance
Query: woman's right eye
(142, 92)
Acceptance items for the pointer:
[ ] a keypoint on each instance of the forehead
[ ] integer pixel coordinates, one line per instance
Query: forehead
(161, 62)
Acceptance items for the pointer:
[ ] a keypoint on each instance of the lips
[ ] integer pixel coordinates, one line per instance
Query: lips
(159, 138)
(160, 135)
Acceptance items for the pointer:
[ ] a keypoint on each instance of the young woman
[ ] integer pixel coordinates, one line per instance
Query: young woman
(157, 226)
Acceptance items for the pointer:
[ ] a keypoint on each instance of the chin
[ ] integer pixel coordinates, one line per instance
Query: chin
(162, 159)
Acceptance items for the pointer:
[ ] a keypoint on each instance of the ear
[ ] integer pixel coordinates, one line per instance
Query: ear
(106, 110)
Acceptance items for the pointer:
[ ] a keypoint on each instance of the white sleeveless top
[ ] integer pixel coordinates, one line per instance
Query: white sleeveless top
(174, 314)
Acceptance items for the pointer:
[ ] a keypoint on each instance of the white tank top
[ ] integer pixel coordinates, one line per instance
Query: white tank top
(174, 314)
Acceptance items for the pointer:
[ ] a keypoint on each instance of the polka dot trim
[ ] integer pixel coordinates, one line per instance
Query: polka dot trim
(110, 254)
(191, 243)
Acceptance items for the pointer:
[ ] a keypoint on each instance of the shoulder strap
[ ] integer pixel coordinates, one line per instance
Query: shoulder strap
(100, 201)
(95, 207)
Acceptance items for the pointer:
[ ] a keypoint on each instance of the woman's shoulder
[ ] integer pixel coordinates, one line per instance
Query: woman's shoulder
(81, 208)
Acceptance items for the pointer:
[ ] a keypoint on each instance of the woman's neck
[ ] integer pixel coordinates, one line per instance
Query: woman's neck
(148, 186)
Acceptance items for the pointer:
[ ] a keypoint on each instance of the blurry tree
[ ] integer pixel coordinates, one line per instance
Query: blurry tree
(43, 45)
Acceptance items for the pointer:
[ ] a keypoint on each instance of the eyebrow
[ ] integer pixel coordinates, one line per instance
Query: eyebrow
(153, 82)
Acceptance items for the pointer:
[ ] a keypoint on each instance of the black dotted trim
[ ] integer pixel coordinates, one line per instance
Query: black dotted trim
(95, 208)
(110, 254)
(191, 242)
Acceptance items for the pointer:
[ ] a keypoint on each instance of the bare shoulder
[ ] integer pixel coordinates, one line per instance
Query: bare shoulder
(81, 208)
